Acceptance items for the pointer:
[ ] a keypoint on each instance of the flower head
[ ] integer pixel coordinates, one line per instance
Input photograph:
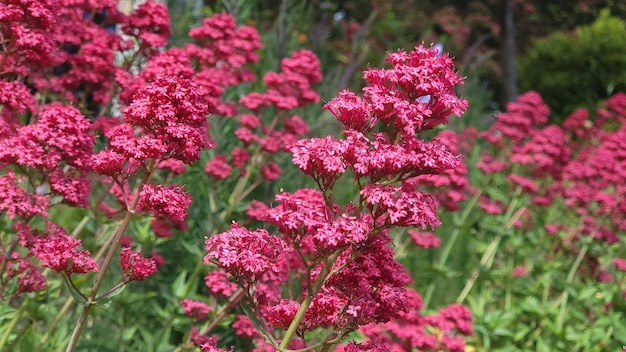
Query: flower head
(245, 254)
(170, 201)
(135, 267)
(57, 251)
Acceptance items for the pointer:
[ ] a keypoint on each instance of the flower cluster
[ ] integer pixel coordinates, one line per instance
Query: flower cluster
(441, 332)
(194, 309)
(244, 254)
(345, 248)
(135, 267)
(451, 185)
(56, 250)
(263, 135)
(58, 145)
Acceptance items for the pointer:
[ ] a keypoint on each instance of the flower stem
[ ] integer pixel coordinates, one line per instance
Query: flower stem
(486, 262)
(13, 323)
(570, 277)
(458, 226)
(108, 259)
(317, 285)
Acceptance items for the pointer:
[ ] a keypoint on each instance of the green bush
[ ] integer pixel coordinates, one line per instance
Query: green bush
(570, 70)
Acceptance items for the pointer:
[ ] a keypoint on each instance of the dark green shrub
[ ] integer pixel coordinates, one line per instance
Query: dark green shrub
(570, 70)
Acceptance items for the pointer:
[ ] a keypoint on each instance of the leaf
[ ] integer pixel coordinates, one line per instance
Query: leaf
(259, 324)
(78, 296)
(179, 286)
(503, 332)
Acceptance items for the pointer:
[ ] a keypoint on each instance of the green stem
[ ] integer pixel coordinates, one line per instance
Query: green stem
(121, 229)
(12, 324)
(317, 285)
(486, 262)
(233, 200)
(55, 322)
(80, 226)
(570, 277)
(110, 291)
(458, 226)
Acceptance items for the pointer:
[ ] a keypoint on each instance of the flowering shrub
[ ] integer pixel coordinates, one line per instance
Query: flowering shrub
(98, 118)
(546, 217)
(161, 183)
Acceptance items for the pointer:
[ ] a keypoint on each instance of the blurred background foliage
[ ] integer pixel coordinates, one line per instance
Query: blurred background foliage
(564, 49)
(572, 52)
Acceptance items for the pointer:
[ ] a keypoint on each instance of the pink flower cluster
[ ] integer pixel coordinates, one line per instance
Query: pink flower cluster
(263, 135)
(346, 247)
(579, 164)
(246, 255)
(135, 267)
(56, 250)
(194, 309)
(441, 332)
(451, 185)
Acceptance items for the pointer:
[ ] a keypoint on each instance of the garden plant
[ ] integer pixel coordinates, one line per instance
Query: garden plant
(176, 198)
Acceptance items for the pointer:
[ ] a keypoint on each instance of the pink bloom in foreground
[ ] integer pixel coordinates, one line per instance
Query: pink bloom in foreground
(245, 254)
(171, 112)
(58, 252)
(402, 206)
(135, 267)
(170, 201)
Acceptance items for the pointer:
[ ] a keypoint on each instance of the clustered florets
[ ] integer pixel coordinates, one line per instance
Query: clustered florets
(366, 284)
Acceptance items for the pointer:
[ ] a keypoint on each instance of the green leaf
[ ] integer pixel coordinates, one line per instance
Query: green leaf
(78, 296)
(503, 332)
(259, 324)
(179, 286)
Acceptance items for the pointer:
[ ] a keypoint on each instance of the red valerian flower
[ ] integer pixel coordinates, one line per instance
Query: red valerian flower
(27, 31)
(546, 153)
(394, 94)
(218, 167)
(169, 200)
(520, 120)
(60, 134)
(519, 271)
(351, 110)
(171, 113)
(18, 202)
(450, 185)
(424, 239)
(29, 276)
(271, 171)
(57, 251)
(620, 263)
(290, 88)
(218, 282)
(221, 40)
(195, 309)
(16, 98)
(373, 284)
(135, 267)
(245, 328)
(402, 206)
(245, 254)
(150, 22)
